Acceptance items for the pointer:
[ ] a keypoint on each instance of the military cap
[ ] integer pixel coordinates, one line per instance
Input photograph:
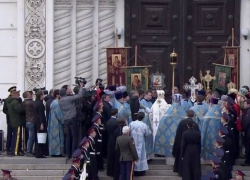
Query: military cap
(214, 100)
(118, 95)
(96, 118)
(76, 160)
(219, 152)
(219, 139)
(216, 160)
(240, 173)
(97, 105)
(67, 177)
(226, 116)
(77, 154)
(83, 141)
(91, 129)
(210, 175)
(202, 93)
(125, 94)
(5, 171)
(223, 130)
(11, 88)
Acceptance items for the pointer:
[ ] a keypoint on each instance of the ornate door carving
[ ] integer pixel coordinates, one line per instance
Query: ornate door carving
(195, 28)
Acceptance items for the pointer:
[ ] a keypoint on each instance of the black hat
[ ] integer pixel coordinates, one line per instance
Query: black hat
(214, 100)
(112, 88)
(77, 154)
(118, 95)
(210, 175)
(226, 116)
(125, 94)
(223, 130)
(216, 160)
(67, 176)
(11, 88)
(202, 93)
(219, 139)
(219, 152)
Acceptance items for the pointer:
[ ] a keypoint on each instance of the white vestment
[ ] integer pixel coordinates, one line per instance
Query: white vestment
(158, 109)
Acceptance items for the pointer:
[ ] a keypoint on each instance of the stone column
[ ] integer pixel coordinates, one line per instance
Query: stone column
(35, 37)
(62, 42)
(84, 39)
(106, 25)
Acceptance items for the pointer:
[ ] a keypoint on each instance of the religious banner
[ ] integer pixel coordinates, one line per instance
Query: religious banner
(232, 59)
(223, 74)
(116, 61)
(137, 78)
(157, 81)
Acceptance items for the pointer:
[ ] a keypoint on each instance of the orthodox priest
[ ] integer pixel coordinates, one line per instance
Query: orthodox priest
(182, 127)
(118, 104)
(165, 136)
(210, 128)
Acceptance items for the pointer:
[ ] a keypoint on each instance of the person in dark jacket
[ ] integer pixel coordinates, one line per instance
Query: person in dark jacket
(128, 154)
(246, 131)
(41, 150)
(28, 105)
(9, 128)
(134, 104)
(48, 99)
(182, 127)
(111, 127)
(191, 152)
(68, 108)
(16, 114)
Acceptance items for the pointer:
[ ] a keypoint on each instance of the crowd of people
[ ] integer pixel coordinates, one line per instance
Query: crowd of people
(90, 125)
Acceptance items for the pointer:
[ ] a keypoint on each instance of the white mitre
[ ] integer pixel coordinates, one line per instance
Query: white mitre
(160, 99)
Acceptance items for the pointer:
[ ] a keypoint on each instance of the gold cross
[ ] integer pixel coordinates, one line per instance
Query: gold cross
(207, 78)
(175, 110)
(216, 113)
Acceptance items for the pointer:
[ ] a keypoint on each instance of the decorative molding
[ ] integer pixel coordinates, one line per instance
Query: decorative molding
(62, 42)
(35, 40)
(106, 27)
(84, 38)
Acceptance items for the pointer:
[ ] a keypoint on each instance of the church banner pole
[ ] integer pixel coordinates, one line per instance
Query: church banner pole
(232, 37)
(173, 62)
(136, 55)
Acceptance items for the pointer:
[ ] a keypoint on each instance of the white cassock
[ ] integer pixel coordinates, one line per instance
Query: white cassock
(158, 109)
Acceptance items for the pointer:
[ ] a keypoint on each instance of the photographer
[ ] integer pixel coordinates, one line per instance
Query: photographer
(68, 107)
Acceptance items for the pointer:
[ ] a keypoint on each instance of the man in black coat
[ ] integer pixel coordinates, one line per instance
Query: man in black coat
(41, 150)
(182, 127)
(111, 127)
(246, 131)
(134, 104)
(190, 153)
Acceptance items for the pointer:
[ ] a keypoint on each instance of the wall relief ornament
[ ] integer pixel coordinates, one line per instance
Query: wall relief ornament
(35, 39)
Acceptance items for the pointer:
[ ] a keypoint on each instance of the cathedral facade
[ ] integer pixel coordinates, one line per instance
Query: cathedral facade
(47, 43)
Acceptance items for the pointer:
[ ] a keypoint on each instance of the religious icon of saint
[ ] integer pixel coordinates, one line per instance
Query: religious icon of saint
(222, 79)
(231, 60)
(157, 82)
(136, 82)
(116, 61)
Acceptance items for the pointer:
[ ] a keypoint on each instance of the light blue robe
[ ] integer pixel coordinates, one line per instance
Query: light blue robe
(139, 130)
(186, 104)
(149, 139)
(127, 107)
(209, 131)
(165, 136)
(200, 111)
(55, 130)
(122, 111)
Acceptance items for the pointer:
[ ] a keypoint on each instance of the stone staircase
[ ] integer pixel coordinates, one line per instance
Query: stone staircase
(26, 168)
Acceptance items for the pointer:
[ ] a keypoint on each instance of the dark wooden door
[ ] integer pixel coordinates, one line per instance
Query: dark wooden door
(196, 29)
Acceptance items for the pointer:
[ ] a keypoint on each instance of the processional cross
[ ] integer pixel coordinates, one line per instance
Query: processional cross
(208, 78)
(193, 87)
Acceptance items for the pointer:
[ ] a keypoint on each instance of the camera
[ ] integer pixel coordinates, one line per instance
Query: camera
(45, 92)
(79, 80)
(1, 100)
